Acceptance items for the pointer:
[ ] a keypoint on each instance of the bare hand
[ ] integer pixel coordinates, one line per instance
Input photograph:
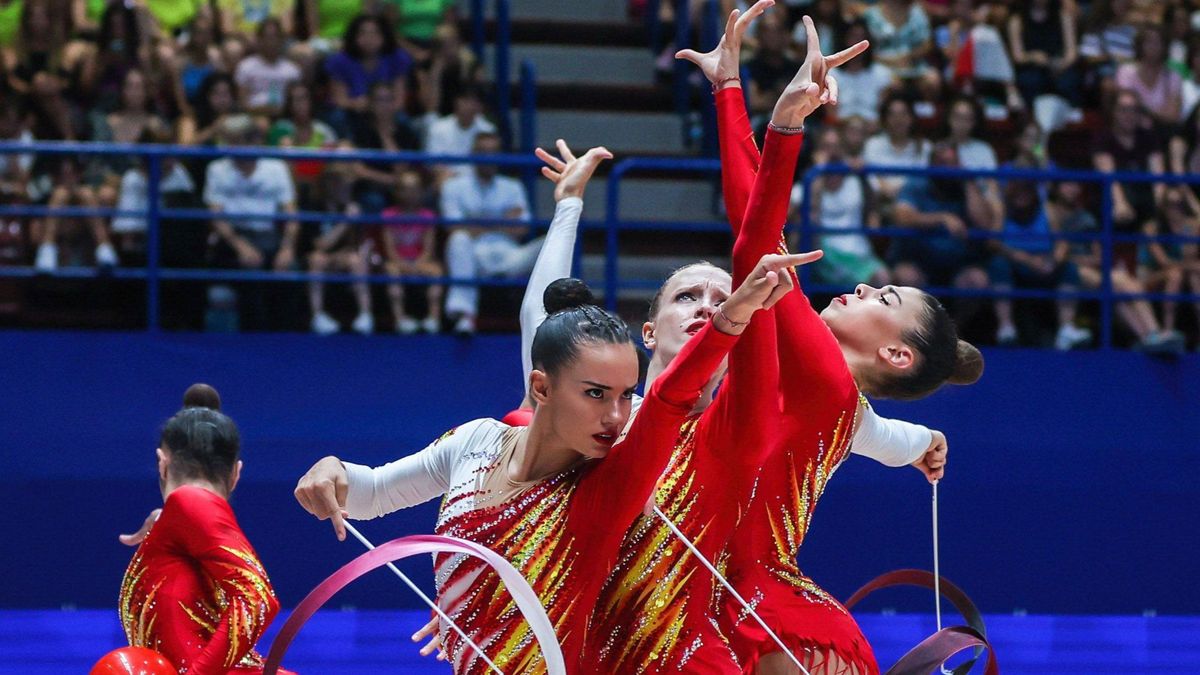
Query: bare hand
(571, 174)
(955, 226)
(138, 537)
(430, 630)
(764, 286)
(284, 259)
(322, 492)
(933, 462)
(248, 256)
(812, 86)
(725, 62)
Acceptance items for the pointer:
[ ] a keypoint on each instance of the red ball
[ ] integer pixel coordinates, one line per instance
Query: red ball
(133, 661)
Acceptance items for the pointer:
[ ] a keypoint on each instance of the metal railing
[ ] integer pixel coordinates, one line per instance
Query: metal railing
(613, 224)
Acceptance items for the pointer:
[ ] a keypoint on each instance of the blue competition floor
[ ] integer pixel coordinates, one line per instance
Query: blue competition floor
(362, 642)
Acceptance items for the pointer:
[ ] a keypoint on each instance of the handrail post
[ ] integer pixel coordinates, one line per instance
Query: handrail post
(529, 127)
(612, 243)
(1106, 262)
(709, 39)
(503, 77)
(478, 41)
(153, 236)
(682, 40)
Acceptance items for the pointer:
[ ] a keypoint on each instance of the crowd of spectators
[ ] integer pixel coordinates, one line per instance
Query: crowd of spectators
(1106, 85)
(388, 75)
(1110, 85)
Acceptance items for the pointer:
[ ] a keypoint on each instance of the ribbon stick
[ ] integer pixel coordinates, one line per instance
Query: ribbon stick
(729, 587)
(421, 594)
(526, 600)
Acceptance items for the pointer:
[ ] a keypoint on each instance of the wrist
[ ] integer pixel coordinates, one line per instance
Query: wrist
(792, 128)
(720, 84)
(730, 321)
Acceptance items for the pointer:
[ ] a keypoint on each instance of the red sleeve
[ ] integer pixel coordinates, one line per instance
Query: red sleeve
(213, 539)
(739, 154)
(617, 488)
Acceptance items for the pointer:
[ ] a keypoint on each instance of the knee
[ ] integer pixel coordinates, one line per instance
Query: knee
(907, 274)
(971, 277)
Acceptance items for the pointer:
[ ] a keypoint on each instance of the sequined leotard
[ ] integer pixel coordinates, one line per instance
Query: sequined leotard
(561, 533)
(821, 403)
(195, 590)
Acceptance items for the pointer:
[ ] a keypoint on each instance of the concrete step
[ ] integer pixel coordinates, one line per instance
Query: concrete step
(569, 10)
(583, 64)
(622, 97)
(620, 132)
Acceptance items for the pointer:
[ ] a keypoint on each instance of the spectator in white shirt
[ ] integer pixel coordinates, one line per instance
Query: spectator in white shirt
(490, 251)
(455, 134)
(862, 81)
(250, 186)
(894, 145)
(263, 77)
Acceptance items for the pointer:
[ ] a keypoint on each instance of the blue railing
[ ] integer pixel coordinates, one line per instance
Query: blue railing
(613, 223)
(501, 63)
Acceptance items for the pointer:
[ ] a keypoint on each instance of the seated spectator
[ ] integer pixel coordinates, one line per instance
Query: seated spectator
(451, 68)
(771, 67)
(902, 39)
(70, 191)
(1125, 146)
(1028, 258)
(297, 128)
(264, 76)
(1042, 38)
(1158, 88)
(134, 118)
(171, 16)
(976, 57)
(218, 100)
(14, 168)
(840, 201)
(862, 81)
(894, 145)
(410, 251)
(121, 45)
(1108, 41)
(10, 23)
(855, 133)
(369, 55)
(1074, 218)
(829, 18)
(948, 208)
(455, 134)
(1190, 90)
(246, 185)
(1178, 34)
(1169, 267)
(129, 231)
(487, 251)
(1184, 153)
(962, 125)
(417, 22)
(195, 60)
(340, 247)
(36, 70)
(384, 127)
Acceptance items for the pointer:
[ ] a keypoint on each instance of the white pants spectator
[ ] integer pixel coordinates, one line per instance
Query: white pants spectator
(491, 254)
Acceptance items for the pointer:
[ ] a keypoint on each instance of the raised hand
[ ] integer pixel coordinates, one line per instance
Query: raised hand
(813, 86)
(571, 174)
(430, 630)
(762, 288)
(723, 64)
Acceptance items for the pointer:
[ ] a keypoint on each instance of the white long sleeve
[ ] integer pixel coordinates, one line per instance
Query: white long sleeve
(888, 441)
(412, 480)
(553, 262)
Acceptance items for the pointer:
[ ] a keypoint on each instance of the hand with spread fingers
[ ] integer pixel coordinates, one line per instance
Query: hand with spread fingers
(813, 86)
(571, 174)
(722, 66)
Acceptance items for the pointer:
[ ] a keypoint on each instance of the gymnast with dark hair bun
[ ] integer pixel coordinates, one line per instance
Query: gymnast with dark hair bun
(195, 590)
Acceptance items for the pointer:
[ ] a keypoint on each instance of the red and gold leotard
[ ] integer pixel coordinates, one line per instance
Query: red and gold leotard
(195, 590)
(562, 533)
(657, 612)
(821, 403)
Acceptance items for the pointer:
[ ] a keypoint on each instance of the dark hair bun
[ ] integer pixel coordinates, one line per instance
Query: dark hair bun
(566, 293)
(201, 395)
(968, 364)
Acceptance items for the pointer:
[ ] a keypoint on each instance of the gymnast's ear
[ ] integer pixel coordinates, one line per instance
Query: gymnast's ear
(539, 386)
(164, 463)
(648, 338)
(237, 475)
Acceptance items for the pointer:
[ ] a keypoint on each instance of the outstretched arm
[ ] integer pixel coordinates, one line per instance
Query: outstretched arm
(570, 176)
